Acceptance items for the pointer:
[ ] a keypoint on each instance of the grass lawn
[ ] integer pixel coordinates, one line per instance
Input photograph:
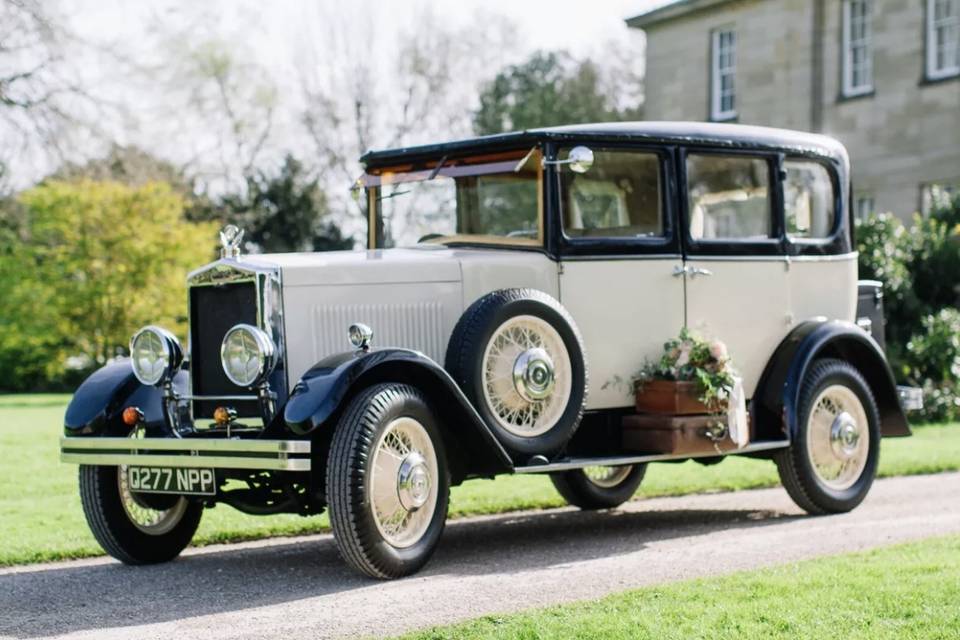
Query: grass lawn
(903, 592)
(40, 516)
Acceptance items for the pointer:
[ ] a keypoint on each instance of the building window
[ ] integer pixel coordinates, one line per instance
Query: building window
(936, 196)
(864, 208)
(943, 38)
(857, 48)
(724, 65)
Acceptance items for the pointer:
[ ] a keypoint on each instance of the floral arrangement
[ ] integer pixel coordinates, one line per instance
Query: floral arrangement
(689, 357)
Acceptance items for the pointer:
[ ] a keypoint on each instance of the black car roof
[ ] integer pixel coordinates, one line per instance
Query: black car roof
(734, 136)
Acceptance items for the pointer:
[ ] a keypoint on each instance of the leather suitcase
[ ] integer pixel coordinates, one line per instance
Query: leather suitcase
(680, 435)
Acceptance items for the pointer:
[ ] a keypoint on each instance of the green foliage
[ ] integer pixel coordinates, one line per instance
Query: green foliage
(286, 211)
(90, 263)
(691, 358)
(920, 269)
(932, 361)
(548, 89)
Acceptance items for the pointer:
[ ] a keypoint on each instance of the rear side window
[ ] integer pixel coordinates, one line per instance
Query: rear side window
(729, 197)
(808, 200)
(618, 197)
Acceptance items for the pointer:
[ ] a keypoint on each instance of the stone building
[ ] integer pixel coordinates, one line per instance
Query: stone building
(882, 76)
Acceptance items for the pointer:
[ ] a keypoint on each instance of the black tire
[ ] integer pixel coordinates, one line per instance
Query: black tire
(117, 534)
(579, 490)
(355, 529)
(795, 465)
(464, 362)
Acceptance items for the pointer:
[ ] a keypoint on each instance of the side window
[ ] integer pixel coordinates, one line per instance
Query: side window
(618, 197)
(808, 200)
(728, 197)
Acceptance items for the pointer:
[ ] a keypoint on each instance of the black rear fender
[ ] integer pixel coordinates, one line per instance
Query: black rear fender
(774, 408)
(319, 398)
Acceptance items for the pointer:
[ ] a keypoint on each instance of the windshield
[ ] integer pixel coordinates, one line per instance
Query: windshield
(491, 199)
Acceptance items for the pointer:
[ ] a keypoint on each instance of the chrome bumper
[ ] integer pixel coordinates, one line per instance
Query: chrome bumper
(267, 455)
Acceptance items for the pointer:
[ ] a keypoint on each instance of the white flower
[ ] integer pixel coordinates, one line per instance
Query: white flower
(718, 350)
(684, 356)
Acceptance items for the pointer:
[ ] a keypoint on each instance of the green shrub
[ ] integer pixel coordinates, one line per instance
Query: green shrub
(88, 263)
(932, 361)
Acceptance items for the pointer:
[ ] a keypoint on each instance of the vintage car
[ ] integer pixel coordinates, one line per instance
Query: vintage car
(509, 282)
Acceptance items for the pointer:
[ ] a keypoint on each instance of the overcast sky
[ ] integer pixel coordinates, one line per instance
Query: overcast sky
(272, 36)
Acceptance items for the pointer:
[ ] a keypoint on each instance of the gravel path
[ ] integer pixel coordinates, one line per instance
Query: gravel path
(298, 588)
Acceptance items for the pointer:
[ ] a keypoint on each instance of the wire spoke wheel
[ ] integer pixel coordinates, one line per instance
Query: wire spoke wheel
(403, 484)
(607, 477)
(154, 522)
(526, 376)
(838, 437)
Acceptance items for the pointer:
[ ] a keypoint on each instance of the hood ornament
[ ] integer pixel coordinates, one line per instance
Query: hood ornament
(230, 238)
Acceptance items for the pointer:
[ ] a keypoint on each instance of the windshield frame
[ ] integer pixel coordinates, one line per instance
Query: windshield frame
(445, 166)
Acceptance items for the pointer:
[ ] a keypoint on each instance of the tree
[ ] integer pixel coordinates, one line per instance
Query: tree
(548, 89)
(43, 100)
(93, 261)
(286, 211)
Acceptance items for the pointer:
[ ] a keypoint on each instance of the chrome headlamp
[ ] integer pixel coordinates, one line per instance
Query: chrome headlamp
(155, 355)
(248, 355)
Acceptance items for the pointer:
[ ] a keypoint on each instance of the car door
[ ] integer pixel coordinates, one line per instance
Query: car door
(736, 273)
(619, 250)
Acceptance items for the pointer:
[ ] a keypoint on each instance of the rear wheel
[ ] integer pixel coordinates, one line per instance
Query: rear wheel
(387, 482)
(599, 487)
(135, 528)
(831, 463)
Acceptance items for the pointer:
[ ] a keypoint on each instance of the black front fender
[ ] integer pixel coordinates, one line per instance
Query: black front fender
(98, 403)
(319, 397)
(775, 402)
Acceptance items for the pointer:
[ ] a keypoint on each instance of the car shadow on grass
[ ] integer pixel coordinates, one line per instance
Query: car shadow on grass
(53, 601)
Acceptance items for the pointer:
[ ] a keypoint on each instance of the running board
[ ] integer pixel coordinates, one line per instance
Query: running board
(616, 461)
(198, 453)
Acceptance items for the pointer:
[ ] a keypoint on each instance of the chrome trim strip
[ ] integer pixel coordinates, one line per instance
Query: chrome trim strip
(188, 462)
(777, 258)
(613, 461)
(225, 398)
(187, 444)
(287, 455)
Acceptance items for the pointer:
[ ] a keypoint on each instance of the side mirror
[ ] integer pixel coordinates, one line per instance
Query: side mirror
(580, 159)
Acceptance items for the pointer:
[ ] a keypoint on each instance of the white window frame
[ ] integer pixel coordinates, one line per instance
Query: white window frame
(865, 40)
(934, 72)
(864, 206)
(723, 64)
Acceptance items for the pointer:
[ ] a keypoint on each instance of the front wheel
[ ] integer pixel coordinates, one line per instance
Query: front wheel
(387, 482)
(831, 463)
(599, 487)
(135, 528)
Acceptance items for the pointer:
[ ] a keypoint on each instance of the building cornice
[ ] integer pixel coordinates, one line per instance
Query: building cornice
(670, 12)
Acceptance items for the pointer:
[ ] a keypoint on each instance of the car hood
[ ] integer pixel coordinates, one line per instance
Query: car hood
(381, 266)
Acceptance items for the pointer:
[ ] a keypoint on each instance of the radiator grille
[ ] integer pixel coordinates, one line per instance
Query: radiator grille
(213, 311)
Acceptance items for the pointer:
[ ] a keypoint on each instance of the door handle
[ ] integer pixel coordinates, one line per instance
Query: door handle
(691, 271)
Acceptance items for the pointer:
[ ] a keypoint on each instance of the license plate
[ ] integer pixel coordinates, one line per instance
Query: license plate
(198, 482)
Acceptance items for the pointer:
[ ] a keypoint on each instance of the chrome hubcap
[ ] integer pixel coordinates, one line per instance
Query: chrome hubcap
(413, 482)
(838, 437)
(402, 487)
(527, 376)
(533, 375)
(607, 477)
